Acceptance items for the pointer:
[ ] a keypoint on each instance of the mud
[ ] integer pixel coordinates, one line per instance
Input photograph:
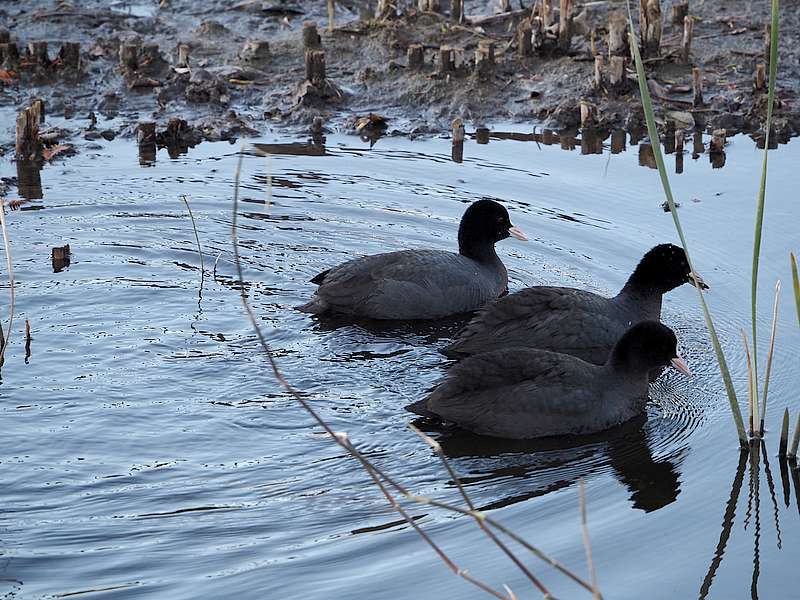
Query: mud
(222, 70)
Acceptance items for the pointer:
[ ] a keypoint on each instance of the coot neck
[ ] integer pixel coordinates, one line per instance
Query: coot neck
(646, 299)
(482, 252)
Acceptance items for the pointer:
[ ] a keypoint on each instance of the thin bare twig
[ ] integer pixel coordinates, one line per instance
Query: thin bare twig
(437, 448)
(7, 245)
(586, 544)
(341, 439)
(196, 237)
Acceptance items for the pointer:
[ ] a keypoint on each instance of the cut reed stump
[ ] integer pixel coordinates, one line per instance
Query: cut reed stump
(598, 71)
(538, 36)
(447, 63)
(565, 25)
(650, 27)
(5, 36)
(524, 41)
(316, 88)
(686, 42)
(315, 66)
(37, 51)
(27, 145)
(60, 258)
(9, 55)
(331, 9)
(146, 133)
(717, 143)
(616, 74)
(484, 59)
(457, 11)
(69, 56)
(697, 144)
(618, 139)
(183, 56)
(760, 80)
(482, 134)
(129, 58)
(457, 151)
(429, 6)
(680, 10)
(618, 34)
(416, 56)
(588, 114)
(311, 39)
(679, 141)
(697, 87)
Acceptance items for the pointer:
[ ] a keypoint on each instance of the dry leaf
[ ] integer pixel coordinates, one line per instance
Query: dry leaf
(7, 76)
(49, 153)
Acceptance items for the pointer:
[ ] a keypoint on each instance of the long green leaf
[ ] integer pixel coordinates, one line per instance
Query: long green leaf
(762, 189)
(647, 106)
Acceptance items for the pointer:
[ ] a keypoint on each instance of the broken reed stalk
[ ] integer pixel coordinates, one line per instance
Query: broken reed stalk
(586, 544)
(437, 448)
(565, 25)
(762, 188)
(795, 283)
(686, 42)
(330, 16)
(196, 236)
(751, 402)
(768, 370)
(343, 441)
(795, 439)
(784, 434)
(647, 106)
(7, 246)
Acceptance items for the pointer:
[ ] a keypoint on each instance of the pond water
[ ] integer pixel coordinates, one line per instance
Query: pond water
(147, 449)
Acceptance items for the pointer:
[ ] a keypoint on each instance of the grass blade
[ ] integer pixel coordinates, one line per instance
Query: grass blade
(762, 188)
(769, 357)
(784, 434)
(12, 297)
(647, 106)
(751, 403)
(795, 438)
(587, 546)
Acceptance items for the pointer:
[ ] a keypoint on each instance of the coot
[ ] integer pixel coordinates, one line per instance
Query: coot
(422, 284)
(521, 393)
(574, 321)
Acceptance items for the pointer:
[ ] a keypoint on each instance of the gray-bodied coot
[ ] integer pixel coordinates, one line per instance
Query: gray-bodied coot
(574, 321)
(422, 284)
(521, 393)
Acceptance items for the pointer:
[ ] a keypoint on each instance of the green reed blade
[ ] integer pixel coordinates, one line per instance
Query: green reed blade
(762, 189)
(795, 284)
(647, 106)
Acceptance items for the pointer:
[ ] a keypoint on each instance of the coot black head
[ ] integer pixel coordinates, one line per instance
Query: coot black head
(663, 268)
(484, 223)
(645, 346)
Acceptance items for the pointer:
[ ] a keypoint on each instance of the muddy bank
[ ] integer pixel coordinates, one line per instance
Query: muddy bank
(225, 70)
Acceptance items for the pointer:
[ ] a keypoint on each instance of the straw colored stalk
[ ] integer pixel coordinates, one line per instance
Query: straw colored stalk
(342, 439)
(647, 106)
(762, 188)
(586, 544)
(768, 370)
(12, 296)
(751, 402)
(437, 448)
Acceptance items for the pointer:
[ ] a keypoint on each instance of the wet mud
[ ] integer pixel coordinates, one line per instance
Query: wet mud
(175, 73)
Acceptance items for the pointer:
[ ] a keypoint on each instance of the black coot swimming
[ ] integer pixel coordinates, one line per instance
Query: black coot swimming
(422, 284)
(576, 322)
(521, 393)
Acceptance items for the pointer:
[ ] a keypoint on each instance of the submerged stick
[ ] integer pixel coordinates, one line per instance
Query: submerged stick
(12, 296)
(769, 356)
(586, 544)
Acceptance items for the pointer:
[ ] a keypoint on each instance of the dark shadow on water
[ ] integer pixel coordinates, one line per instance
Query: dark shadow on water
(429, 332)
(652, 483)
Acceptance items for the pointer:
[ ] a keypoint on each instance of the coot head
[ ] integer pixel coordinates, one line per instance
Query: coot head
(645, 346)
(663, 268)
(484, 223)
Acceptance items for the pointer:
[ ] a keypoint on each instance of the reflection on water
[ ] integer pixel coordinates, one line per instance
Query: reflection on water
(652, 483)
(147, 447)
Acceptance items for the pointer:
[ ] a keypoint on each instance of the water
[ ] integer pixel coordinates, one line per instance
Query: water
(147, 450)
